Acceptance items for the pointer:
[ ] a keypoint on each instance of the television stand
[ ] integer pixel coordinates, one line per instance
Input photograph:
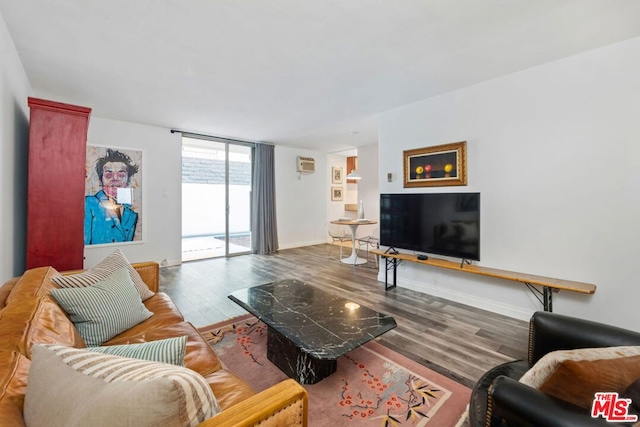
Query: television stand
(549, 285)
(391, 250)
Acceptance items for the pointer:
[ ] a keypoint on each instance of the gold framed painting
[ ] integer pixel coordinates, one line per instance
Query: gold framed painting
(336, 193)
(436, 166)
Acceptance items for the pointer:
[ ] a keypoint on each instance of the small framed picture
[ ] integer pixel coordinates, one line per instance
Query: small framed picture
(336, 175)
(336, 193)
(436, 166)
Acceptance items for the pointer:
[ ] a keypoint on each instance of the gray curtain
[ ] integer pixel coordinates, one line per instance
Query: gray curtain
(264, 230)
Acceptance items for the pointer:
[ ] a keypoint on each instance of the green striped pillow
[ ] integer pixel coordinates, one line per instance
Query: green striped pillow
(170, 350)
(70, 386)
(104, 310)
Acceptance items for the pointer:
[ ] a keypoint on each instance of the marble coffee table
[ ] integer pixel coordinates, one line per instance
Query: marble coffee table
(308, 328)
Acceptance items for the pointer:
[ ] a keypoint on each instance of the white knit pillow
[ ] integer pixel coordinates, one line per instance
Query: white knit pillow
(75, 387)
(113, 262)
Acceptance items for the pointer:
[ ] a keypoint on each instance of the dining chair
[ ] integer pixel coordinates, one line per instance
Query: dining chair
(372, 240)
(338, 235)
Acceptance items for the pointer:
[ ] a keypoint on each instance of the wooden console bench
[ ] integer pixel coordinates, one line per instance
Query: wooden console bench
(549, 285)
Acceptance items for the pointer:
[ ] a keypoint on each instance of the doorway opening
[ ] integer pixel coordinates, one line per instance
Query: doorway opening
(216, 198)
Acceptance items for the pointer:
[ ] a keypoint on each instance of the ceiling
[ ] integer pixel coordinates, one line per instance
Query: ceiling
(300, 73)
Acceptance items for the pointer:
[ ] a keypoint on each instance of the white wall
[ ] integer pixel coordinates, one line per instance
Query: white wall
(368, 186)
(299, 207)
(335, 208)
(14, 141)
(161, 187)
(554, 151)
(366, 190)
(301, 204)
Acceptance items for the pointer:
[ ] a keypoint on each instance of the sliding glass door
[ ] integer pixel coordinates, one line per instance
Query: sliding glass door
(216, 198)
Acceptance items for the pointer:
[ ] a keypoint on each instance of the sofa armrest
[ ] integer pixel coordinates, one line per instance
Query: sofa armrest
(6, 289)
(150, 273)
(551, 331)
(284, 404)
(512, 403)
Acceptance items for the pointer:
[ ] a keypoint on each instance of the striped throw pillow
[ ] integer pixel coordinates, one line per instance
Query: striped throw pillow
(102, 311)
(70, 386)
(170, 350)
(115, 261)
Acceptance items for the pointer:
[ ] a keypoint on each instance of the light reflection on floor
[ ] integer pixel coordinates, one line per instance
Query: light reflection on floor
(194, 248)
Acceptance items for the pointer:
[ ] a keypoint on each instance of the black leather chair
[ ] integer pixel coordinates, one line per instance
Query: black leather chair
(498, 399)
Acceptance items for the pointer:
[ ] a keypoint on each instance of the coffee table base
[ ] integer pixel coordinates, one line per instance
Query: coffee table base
(294, 362)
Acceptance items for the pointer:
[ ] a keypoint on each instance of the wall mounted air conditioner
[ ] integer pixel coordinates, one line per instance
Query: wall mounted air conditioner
(306, 164)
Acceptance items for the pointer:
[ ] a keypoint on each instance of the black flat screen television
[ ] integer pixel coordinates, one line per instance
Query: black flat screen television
(436, 223)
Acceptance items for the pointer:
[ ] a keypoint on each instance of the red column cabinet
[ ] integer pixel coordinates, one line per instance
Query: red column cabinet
(55, 199)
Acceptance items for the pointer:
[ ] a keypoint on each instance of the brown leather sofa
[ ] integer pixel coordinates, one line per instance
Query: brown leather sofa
(28, 314)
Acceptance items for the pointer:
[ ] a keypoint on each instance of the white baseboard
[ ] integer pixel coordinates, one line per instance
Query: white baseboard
(462, 298)
(170, 263)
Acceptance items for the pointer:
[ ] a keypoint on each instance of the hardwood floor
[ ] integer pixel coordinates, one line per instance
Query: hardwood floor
(457, 340)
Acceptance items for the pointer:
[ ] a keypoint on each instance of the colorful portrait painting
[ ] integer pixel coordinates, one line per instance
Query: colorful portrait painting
(113, 196)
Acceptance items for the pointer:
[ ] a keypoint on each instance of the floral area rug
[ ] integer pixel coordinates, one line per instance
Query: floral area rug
(373, 385)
